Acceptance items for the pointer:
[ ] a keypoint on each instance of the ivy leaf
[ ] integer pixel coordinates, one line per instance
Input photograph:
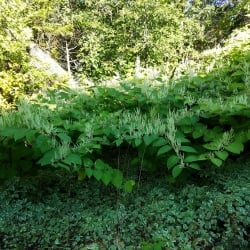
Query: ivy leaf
(148, 139)
(188, 149)
(235, 147)
(172, 161)
(217, 162)
(176, 171)
(128, 186)
(164, 150)
(222, 154)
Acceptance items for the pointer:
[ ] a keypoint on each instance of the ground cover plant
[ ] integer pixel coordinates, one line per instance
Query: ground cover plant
(53, 210)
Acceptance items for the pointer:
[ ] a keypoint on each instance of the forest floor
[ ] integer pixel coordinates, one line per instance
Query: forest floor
(54, 211)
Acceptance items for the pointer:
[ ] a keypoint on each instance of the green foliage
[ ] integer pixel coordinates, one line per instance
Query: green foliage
(52, 210)
(155, 32)
(20, 22)
(167, 131)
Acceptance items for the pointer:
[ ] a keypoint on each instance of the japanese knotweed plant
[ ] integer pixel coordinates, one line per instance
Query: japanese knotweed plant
(29, 138)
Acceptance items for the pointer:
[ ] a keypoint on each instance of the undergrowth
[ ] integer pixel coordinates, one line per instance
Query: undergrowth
(174, 128)
(54, 211)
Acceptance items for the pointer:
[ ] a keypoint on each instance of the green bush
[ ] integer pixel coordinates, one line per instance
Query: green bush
(174, 128)
(54, 211)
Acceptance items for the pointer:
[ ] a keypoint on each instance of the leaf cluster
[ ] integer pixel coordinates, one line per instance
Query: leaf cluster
(173, 128)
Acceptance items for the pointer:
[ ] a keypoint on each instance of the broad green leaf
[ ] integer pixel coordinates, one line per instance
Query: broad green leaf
(235, 147)
(164, 150)
(186, 129)
(160, 142)
(195, 166)
(99, 164)
(172, 161)
(222, 154)
(97, 173)
(64, 137)
(43, 143)
(48, 158)
(180, 137)
(199, 130)
(107, 176)
(89, 171)
(61, 165)
(7, 132)
(87, 162)
(148, 139)
(117, 178)
(73, 159)
(128, 186)
(202, 157)
(241, 137)
(191, 158)
(20, 133)
(210, 146)
(197, 134)
(96, 146)
(31, 136)
(138, 142)
(217, 162)
(188, 149)
(118, 142)
(176, 171)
